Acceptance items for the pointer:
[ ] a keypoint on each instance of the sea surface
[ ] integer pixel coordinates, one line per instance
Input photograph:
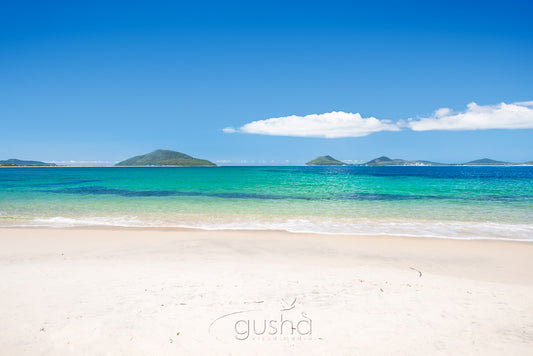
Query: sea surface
(448, 202)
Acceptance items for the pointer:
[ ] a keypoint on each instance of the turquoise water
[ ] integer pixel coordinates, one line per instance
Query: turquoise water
(458, 202)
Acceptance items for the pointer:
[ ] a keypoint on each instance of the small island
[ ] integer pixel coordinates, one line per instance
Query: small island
(13, 162)
(486, 162)
(385, 161)
(325, 161)
(166, 158)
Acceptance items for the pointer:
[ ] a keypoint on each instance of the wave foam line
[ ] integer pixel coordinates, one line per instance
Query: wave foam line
(439, 229)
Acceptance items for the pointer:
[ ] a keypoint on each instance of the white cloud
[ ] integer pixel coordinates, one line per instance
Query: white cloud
(335, 124)
(477, 117)
(229, 130)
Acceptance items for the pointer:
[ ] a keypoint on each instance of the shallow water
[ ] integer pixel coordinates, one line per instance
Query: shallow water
(456, 202)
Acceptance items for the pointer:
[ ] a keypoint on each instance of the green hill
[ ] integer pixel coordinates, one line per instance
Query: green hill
(386, 161)
(166, 158)
(12, 162)
(325, 161)
(486, 161)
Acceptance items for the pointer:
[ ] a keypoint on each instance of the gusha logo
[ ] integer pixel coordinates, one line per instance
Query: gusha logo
(290, 325)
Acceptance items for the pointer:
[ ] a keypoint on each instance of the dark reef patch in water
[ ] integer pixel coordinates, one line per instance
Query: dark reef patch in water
(438, 172)
(97, 190)
(166, 193)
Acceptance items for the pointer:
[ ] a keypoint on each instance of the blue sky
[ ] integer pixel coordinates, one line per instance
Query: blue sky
(105, 80)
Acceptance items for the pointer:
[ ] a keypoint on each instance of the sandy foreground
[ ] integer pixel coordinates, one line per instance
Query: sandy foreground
(93, 291)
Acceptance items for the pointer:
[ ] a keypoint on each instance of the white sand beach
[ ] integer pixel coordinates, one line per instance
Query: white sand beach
(103, 291)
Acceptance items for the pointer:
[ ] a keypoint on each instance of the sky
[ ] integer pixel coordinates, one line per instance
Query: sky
(95, 82)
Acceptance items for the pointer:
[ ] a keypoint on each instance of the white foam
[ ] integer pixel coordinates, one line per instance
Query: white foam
(438, 229)
(60, 221)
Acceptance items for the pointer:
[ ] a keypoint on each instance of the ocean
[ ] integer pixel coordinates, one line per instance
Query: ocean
(449, 202)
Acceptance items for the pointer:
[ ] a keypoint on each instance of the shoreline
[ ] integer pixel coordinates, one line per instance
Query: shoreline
(453, 230)
(258, 230)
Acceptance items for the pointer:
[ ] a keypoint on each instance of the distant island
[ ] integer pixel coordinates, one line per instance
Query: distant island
(166, 158)
(386, 161)
(487, 161)
(178, 159)
(12, 162)
(325, 161)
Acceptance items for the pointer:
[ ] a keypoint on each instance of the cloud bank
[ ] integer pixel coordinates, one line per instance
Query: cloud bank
(335, 124)
(477, 117)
